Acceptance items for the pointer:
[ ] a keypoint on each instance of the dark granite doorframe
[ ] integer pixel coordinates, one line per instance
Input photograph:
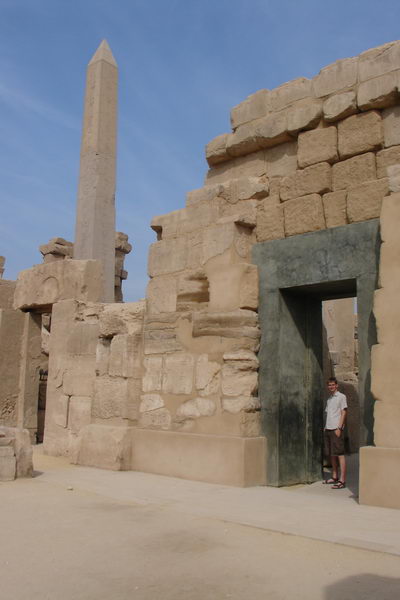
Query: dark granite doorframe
(296, 274)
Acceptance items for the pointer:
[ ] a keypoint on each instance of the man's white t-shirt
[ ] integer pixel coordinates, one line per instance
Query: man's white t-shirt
(334, 405)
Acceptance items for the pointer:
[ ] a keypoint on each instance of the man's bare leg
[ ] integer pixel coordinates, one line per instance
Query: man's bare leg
(342, 462)
(335, 472)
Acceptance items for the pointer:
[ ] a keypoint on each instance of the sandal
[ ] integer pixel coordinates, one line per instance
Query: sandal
(330, 481)
(339, 485)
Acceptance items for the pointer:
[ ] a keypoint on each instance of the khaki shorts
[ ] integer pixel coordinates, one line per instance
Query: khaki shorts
(333, 445)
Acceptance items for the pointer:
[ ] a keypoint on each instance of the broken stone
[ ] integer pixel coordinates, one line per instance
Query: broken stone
(379, 61)
(167, 256)
(110, 396)
(216, 151)
(391, 126)
(379, 92)
(244, 188)
(178, 374)
(281, 160)
(197, 407)
(233, 286)
(387, 158)
(340, 106)
(336, 77)
(254, 107)
(304, 115)
(161, 341)
(156, 419)
(207, 376)
(153, 375)
(204, 194)
(150, 402)
(239, 379)
(290, 92)
(241, 404)
(235, 324)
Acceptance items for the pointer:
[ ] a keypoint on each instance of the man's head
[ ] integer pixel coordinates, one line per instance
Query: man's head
(332, 385)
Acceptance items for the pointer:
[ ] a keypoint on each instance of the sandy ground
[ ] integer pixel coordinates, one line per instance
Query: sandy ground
(86, 534)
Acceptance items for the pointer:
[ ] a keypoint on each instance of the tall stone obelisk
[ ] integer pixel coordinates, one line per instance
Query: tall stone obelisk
(95, 215)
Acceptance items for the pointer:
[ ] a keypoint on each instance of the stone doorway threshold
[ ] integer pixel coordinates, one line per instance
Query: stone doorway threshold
(312, 511)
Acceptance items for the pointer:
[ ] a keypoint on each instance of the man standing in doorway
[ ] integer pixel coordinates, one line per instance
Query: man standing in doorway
(336, 409)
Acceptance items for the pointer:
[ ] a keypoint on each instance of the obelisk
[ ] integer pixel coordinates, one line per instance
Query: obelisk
(95, 215)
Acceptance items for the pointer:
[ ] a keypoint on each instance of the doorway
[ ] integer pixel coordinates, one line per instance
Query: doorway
(296, 275)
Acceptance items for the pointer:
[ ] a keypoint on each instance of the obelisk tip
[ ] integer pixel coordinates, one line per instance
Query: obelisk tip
(103, 52)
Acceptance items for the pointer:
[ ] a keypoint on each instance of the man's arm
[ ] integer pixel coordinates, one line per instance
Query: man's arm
(342, 420)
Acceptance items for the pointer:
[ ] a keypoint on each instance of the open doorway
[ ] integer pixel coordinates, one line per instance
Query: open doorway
(296, 275)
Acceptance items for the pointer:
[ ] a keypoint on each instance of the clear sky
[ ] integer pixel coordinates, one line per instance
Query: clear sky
(182, 64)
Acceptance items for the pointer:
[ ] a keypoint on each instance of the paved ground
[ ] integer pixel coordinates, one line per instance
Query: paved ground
(86, 534)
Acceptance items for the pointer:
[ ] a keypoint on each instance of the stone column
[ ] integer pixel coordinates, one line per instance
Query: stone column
(95, 218)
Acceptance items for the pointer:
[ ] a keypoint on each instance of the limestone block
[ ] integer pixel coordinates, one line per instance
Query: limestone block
(110, 397)
(339, 106)
(204, 194)
(378, 487)
(7, 289)
(161, 294)
(379, 92)
(338, 76)
(290, 92)
(216, 151)
(364, 202)
(22, 448)
(335, 204)
(262, 133)
(239, 404)
(166, 226)
(178, 374)
(79, 377)
(252, 165)
(207, 376)
(393, 173)
(192, 288)
(102, 356)
(391, 126)
(304, 214)
(156, 419)
(317, 146)
(233, 286)
(387, 158)
(270, 220)
(111, 324)
(45, 284)
(235, 324)
(195, 408)
(314, 179)
(80, 413)
(8, 464)
(160, 341)
(244, 356)
(58, 247)
(197, 216)
(167, 256)
(243, 140)
(105, 446)
(281, 160)
(149, 402)
(378, 61)
(255, 106)
(238, 379)
(360, 133)
(304, 115)
(244, 188)
(123, 352)
(194, 257)
(82, 338)
(153, 374)
(223, 235)
(353, 171)
(61, 407)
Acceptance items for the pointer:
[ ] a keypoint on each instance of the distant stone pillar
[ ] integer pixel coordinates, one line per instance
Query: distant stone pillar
(2, 261)
(95, 218)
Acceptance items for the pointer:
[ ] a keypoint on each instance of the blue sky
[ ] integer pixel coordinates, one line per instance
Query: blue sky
(182, 64)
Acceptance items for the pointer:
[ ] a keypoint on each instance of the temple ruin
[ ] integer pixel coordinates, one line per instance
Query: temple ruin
(218, 375)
